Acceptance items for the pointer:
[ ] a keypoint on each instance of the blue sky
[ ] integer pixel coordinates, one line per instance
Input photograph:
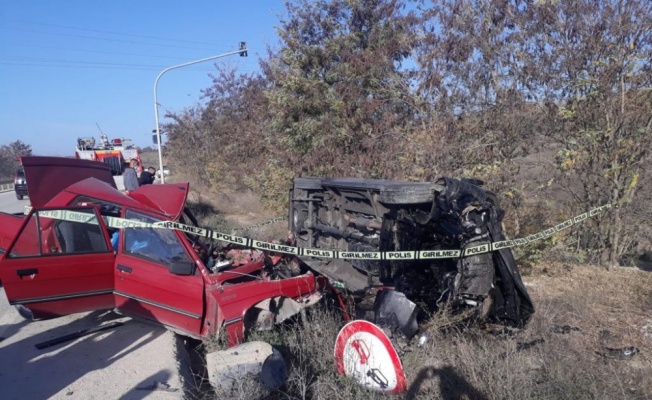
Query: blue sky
(66, 65)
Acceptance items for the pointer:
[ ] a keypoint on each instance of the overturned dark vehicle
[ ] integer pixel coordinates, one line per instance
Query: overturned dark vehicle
(353, 216)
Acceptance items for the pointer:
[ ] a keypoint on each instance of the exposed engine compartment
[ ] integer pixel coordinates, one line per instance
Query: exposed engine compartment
(363, 215)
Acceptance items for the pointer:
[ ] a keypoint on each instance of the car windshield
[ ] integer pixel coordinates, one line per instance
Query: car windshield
(156, 244)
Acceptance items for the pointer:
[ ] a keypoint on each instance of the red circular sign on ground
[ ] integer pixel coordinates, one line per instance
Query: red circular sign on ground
(365, 353)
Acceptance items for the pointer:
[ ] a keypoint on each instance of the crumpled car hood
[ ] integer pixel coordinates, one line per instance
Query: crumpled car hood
(168, 199)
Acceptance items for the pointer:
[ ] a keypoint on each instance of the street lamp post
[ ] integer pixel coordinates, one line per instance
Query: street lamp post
(242, 52)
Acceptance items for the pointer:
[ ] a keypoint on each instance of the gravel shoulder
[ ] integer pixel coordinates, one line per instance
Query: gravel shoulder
(134, 361)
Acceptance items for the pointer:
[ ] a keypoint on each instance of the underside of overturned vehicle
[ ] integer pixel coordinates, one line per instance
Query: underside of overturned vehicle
(364, 215)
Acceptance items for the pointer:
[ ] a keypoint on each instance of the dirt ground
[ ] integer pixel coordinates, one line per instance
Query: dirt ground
(591, 337)
(133, 361)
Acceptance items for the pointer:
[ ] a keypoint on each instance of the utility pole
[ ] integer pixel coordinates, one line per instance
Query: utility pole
(242, 52)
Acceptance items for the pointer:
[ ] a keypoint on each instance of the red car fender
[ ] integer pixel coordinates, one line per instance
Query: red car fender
(227, 305)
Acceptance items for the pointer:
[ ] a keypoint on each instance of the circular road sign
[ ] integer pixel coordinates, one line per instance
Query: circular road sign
(365, 353)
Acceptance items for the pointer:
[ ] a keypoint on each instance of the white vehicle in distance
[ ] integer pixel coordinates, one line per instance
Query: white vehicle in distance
(166, 171)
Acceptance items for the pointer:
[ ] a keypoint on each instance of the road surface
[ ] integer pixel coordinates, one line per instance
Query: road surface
(9, 203)
(130, 362)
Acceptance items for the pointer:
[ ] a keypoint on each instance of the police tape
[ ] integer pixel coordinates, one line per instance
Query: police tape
(122, 223)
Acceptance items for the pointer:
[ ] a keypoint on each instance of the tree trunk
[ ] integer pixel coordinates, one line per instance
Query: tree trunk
(614, 241)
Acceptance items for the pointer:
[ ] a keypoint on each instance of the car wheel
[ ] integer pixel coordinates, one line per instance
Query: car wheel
(19, 196)
(24, 312)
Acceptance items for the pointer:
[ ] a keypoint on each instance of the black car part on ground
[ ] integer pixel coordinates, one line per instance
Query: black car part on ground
(359, 215)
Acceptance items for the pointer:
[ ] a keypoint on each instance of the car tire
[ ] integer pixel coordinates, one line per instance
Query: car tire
(19, 196)
(24, 312)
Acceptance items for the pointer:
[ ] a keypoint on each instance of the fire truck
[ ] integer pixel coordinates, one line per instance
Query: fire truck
(114, 152)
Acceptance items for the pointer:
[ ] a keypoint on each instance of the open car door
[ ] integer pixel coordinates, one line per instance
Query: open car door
(158, 278)
(61, 262)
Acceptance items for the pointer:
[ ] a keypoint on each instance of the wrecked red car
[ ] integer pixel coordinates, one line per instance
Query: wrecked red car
(68, 255)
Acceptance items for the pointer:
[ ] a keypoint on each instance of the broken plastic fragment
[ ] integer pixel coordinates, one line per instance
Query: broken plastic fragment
(162, 386)
(528, 345)
(395, 311)
(423, 339)
(564, 329)
(623, 352)
(245, 361)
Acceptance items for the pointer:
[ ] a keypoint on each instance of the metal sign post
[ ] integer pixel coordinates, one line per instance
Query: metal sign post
(242, 52)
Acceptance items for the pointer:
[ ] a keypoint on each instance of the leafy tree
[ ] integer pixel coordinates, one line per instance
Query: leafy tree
(478, 94)
(340, 96)
(415, 89)
(509, 75)
(222, 141)
(9, 155)
(594, 64)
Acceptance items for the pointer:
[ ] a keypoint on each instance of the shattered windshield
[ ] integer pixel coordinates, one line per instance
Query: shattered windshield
(159, 245)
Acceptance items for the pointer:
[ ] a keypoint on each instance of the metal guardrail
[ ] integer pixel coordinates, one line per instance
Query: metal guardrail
(6, 187)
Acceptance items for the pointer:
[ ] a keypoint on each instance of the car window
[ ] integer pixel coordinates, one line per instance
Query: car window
(20, 177)
(27, 243)
(107, 209)
(159, 245)
(60, 232)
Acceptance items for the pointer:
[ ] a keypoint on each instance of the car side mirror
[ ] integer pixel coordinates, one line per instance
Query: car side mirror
(182, 268)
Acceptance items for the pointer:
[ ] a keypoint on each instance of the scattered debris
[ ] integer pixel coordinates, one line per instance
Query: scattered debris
(162, 386)
(423, 339)
(565, 329)
(394, 311)
(247, 360)
(621, 353)
(76, 335)
(647, 330)
(520, 346)
(504, 331)
(275, 371)
(607, 338)
(605, 334)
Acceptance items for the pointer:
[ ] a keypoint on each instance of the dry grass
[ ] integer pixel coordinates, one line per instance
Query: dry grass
(235, 211)
(308, 350)
(487, 363)
(475, 364)
(150, 159)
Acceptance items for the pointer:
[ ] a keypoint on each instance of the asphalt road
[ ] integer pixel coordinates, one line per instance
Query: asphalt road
(134, 361)
(10, 204)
